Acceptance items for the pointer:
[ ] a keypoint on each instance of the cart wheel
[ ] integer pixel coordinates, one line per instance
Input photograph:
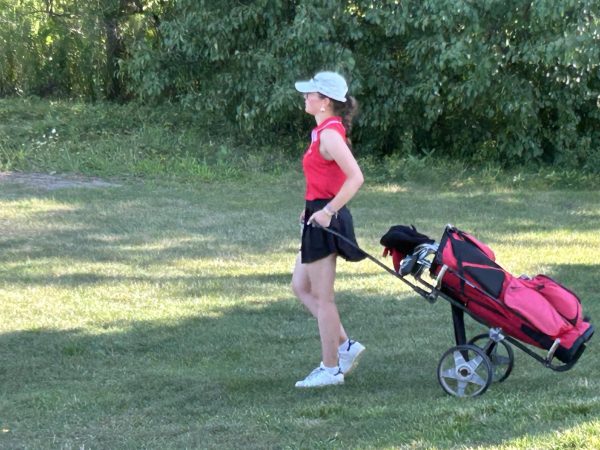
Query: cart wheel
(500, 354)
(465, 371)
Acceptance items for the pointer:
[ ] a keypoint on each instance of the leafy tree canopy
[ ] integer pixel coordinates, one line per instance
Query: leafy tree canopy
(488, 80)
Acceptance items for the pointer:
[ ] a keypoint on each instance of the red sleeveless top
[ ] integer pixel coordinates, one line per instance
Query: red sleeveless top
(324, 178)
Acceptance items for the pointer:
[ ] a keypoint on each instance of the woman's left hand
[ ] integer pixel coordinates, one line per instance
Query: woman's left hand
(321, 218)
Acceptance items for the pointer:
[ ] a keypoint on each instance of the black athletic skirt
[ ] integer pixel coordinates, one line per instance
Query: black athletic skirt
(318, 243)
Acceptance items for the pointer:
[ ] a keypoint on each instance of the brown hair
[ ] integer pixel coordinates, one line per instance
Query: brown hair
(347, 110)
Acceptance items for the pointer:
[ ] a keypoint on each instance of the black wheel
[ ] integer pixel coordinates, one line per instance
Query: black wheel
(465, 371)
(501, 355)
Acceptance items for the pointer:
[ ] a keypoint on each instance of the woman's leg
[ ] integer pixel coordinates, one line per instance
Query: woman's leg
(301, 287)
(321, 275)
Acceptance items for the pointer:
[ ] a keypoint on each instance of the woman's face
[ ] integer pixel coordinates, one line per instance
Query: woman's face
(313, 103)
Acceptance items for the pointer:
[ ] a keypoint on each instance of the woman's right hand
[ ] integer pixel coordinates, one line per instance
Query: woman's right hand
(302, 216)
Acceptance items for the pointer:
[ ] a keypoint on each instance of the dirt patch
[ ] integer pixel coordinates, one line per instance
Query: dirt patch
(51, 182)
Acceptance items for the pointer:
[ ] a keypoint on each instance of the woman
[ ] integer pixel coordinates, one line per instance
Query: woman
(332, 178)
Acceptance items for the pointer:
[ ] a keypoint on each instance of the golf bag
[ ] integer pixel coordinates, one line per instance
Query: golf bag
(538, 311)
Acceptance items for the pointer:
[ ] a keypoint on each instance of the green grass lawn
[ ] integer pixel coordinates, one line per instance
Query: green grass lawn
(159, 315)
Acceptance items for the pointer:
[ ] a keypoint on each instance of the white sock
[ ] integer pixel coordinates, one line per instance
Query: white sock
(332, 370)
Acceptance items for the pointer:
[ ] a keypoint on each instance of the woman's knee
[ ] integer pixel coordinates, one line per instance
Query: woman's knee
(299, 287)
(296, 288)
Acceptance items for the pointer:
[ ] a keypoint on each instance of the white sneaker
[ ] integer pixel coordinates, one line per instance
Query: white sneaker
(321, 377)
(348, 358)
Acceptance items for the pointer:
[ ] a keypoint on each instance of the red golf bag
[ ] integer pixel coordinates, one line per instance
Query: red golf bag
(538, 311)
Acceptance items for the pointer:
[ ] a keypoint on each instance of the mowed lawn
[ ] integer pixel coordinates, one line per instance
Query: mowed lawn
(159, 315)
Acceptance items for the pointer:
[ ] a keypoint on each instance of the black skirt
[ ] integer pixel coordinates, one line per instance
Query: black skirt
(318, 243)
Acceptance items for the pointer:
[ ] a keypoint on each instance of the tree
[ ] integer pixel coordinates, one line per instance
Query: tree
(509, 81)
(70, 48)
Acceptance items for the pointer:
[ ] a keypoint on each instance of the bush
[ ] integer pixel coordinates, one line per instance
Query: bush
(493, 80)
(501, 81)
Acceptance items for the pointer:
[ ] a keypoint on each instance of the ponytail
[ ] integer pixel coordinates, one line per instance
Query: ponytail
(346, 110)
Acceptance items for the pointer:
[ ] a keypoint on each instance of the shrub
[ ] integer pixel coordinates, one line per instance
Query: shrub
(502, 81)
(495, 80)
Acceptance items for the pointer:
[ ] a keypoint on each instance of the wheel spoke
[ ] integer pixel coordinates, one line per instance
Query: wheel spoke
(475, 363)
(476, 379)
(450, 373)
(500, 360)
(459, 359)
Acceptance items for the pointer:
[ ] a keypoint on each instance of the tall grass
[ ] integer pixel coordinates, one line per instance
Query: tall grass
(168, 142)
(117, 140)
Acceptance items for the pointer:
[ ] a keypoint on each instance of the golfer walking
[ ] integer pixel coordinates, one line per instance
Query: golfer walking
(332, 178)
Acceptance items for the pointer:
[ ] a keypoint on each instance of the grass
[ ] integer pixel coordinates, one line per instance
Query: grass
(158, 315)
(134, 140)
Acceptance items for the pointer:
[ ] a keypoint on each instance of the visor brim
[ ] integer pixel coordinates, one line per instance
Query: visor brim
(306, 86)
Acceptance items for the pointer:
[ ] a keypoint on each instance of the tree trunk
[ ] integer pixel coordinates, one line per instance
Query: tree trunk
(114, 50)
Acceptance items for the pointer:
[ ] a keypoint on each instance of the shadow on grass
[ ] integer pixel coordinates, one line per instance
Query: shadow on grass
(227, 380)
(141, 224)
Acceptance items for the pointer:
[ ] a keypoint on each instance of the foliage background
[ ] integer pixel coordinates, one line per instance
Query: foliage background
(488, 81)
